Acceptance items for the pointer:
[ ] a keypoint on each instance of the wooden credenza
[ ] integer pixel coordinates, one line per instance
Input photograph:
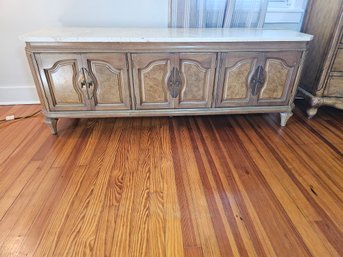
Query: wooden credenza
(83, 72)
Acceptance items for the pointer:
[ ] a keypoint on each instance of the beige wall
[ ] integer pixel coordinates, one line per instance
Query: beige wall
(18, 17)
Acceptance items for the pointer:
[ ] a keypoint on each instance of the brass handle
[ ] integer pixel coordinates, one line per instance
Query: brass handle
(257, 80)
(174, 83)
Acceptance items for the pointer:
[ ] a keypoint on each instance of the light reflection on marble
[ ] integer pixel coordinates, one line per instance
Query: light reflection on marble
(81, 34)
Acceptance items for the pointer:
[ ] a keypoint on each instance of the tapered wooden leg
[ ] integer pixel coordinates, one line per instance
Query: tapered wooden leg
(311, 112)
(284, 117)
(52, 123)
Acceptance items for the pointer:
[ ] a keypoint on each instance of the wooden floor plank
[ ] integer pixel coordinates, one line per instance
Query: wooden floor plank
(172, 187)
(298, 208)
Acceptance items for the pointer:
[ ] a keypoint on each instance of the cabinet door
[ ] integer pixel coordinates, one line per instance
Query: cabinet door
(109, 74)
(150, 75)
(280, 72)
(61, 81)
(236, 70)
(197, 74)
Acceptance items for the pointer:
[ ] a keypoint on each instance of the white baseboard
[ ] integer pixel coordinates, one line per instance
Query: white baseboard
(18, 94)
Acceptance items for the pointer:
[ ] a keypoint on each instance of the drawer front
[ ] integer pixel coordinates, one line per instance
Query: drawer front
(334, 87)
(338, 63)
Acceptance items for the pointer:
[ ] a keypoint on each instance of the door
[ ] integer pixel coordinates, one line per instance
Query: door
(197, 79)
(60, 74)
(252, 78)
(178, 80)
(150, 75)
(235, 75)
(108, 81)
(280, 69)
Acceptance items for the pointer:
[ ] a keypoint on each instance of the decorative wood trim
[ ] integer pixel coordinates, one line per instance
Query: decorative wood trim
(216, 80)
(86, 47)
(131, 81)
(168, 112)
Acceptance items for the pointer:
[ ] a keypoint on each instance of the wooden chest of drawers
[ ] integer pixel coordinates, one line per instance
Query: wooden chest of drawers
(322, 80)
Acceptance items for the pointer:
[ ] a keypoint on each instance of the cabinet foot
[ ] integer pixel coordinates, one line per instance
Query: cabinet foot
(311, 112)
(52, 123)
(284, 117)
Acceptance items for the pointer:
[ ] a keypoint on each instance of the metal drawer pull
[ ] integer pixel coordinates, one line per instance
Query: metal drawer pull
(257, 80)
(174, 83)
(86, 82)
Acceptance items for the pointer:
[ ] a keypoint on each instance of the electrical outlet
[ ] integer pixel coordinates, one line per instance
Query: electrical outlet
(10, 117)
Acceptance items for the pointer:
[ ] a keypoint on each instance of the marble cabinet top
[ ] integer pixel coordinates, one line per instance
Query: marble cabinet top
(82, 34)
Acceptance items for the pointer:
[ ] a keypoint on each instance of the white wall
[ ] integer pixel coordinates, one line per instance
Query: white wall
(18, 17)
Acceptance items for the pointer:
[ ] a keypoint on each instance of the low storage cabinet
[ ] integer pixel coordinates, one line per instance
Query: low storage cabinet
(178, 72)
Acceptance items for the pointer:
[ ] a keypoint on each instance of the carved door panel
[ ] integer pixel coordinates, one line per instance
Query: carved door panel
(60, 74)
(280, 72)
(108, 80)
(197, 78)
(150, 74)
(235, 75)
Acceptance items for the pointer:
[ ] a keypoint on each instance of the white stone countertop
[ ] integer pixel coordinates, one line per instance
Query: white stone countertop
(82, 34)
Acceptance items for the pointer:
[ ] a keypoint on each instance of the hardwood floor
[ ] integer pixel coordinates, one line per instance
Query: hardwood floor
(168, 187)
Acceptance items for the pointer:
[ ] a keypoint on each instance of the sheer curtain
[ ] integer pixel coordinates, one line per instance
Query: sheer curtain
(218, 13)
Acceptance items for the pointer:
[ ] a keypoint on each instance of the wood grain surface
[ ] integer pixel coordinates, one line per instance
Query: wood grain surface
(206, 186)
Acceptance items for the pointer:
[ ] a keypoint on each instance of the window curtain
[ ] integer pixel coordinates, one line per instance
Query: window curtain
(218, 13)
